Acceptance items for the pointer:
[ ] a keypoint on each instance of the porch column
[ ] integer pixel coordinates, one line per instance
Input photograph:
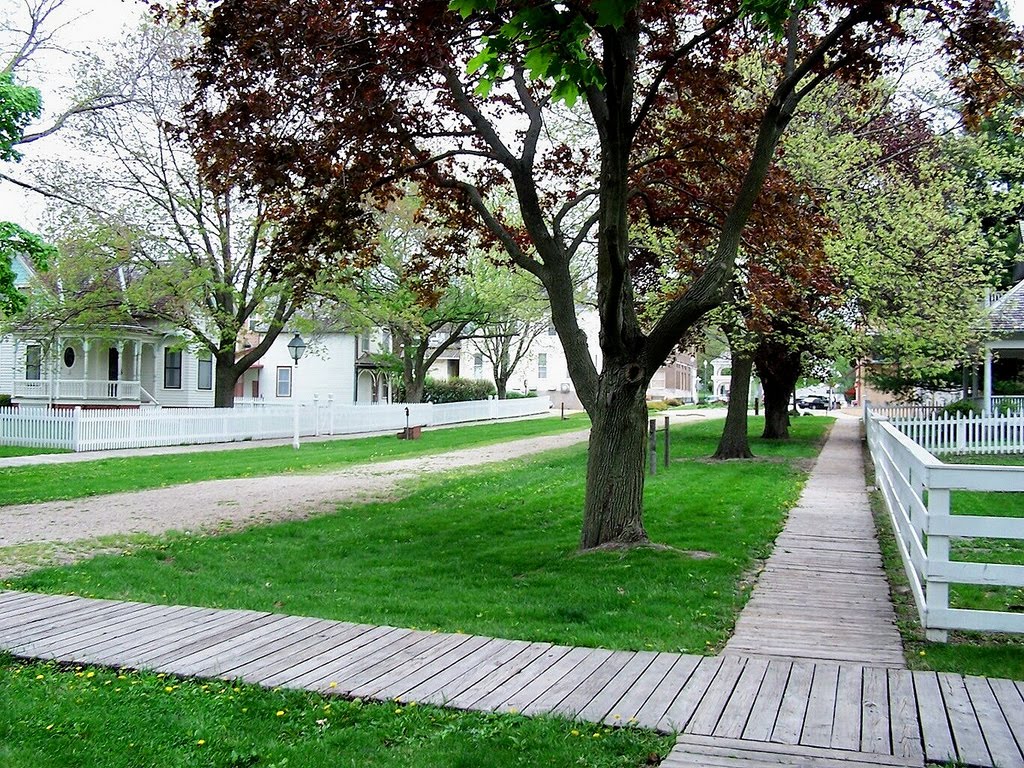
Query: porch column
(987, 404)
(85, 363)
(58, 358)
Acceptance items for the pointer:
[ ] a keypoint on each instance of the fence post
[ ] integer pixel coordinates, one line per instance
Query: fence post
(316, 415)
(961, 434)
(330, 414)
(936, 591)
(666, 441)
(76, 426)
(295, 425)
(653, 443)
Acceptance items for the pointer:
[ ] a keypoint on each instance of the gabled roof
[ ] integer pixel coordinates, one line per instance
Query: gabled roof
(1007, 315)
(24, 271)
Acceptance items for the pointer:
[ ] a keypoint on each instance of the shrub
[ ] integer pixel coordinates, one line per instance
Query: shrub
(674, 402)
(657, 405)
(456, 390)
(964, 407)
(5, 401)
(515, 394)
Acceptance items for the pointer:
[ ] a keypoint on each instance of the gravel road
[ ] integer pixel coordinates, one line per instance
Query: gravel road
(210, 504)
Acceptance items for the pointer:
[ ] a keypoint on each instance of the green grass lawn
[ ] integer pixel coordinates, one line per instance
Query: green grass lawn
(995, 655)
(48, 482)
(9, 451)
(494, 552)
(55, 717)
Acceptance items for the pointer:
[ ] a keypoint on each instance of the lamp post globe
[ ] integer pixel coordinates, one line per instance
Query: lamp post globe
(296, 348)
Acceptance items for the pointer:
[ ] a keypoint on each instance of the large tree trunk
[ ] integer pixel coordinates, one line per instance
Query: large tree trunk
(613, 509)
(225, 377)
(734, 443)
(778, 368)
(501, 385)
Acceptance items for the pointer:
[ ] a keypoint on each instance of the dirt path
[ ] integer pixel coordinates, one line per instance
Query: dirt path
(237, 503)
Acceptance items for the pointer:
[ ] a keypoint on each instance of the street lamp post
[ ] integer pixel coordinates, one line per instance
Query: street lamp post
(296, 348)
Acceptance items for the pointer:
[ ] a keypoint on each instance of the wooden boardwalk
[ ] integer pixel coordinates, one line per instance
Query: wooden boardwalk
(730, 710)
(814, 675)
(823, 594)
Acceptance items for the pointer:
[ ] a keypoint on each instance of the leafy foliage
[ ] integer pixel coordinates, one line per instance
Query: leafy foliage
(456, 390)
(15, 240)
(19, 104)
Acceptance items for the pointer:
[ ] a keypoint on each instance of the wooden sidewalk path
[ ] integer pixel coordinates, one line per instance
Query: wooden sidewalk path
(823, 594)
(729, 710)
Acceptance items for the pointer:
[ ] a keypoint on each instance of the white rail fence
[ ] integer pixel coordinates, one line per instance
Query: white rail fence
(112, 428)
(916, 487)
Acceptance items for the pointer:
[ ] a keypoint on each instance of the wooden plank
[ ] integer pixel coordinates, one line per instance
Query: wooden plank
(967, 736)
(485, 658)
(708, 712)
(604, 706)
(418, 670)
(180, 623)
(500, 675)
(216, 657)
(379, 656)
(325, 654)
(490, 700)
(701, 751)
(790, 720)
(543, 681)
(224, 627)
(589, 690)
(994, 727)
(904, 728)
(324, 636)
(874, 712)
(1011, 704)
(931, 712)
(50, 620)
(578, 676)
(691, 692)
(821, 707)
(737, 710)
(82, 647)
(846, 725)
(765, 710)
(63, 636)
(635, 697)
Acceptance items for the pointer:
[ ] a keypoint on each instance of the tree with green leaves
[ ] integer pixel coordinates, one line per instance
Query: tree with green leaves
(21, 106)
(469, 98)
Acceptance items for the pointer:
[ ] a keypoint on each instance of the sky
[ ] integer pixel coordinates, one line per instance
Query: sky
(92, 25)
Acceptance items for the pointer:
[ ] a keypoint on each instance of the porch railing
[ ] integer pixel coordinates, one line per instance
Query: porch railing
(77, 389)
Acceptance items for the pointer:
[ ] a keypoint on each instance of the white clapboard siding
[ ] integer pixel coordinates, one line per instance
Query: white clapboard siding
(916, 487)
(114, 428)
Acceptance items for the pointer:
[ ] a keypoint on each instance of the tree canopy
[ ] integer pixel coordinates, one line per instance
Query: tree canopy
(583, 112)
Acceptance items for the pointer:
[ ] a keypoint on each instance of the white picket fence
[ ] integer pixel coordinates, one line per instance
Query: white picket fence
(961, 433)
(916, 487)
(111, 428)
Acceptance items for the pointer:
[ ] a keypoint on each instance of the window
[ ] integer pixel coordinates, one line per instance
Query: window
(284, 381)
(33, 362)
(172, 369)
(205, 370)
(478, 365)
(542, 366)
(551, 330)
(365, 343)
(69, 357)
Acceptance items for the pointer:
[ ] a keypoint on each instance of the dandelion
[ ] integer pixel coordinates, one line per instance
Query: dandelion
(921, 653)
(39, 677)
(597, 735)
(90, 674)
(333, 684)
(280, 713)
(616, 717)
(49, 727)
(513, 711)
(201, 742)
(169, 688)
(574, 732)
(398, 711)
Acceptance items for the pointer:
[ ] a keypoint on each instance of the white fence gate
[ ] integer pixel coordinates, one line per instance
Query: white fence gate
(916, 486)
(113, 428)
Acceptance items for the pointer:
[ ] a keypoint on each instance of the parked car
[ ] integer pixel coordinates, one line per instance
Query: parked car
(813, 403)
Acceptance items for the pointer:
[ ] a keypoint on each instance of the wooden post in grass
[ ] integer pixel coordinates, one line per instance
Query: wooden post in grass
(653, 442)
(666, 441)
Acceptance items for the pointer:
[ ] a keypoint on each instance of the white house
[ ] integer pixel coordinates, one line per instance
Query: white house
(545, 369)
(140, 362)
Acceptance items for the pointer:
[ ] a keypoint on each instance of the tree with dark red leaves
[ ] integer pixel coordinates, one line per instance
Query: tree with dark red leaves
(329, 105)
